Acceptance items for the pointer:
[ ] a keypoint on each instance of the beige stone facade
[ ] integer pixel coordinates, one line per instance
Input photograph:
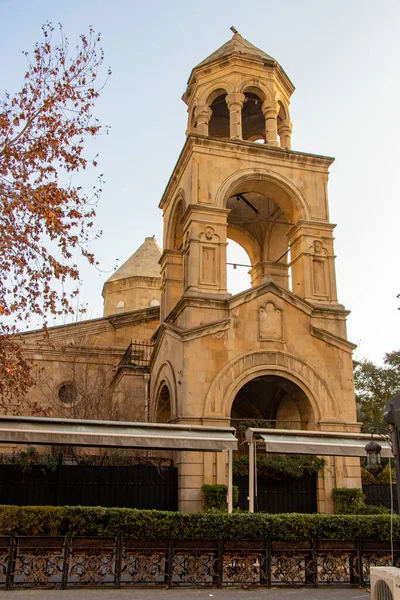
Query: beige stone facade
(276, 352)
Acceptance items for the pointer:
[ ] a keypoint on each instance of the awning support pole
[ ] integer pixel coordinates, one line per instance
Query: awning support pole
(230, 482)
(251, 475)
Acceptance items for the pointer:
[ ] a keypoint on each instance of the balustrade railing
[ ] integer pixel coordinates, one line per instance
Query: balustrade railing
(67, 562)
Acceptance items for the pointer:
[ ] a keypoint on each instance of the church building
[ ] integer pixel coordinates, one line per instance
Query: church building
(173, 344)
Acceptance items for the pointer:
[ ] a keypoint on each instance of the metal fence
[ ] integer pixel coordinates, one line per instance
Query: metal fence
(137, 354)
(67, 562)
(138, 486)
(280, 496)
(379, 495)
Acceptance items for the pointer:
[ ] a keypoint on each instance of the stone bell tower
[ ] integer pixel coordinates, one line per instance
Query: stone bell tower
(277, 351)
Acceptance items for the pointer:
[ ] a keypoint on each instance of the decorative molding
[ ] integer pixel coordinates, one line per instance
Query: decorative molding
(237, 372)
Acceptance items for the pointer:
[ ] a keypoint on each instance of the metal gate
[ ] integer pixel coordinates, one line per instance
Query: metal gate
(280, 496)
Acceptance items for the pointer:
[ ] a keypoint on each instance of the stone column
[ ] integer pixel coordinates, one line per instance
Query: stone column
(235, 103)
(285, 134)
(202, 115)
(270, 113)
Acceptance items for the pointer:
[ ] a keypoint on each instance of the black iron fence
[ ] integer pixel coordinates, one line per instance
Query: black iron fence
(138, 486)
(137, 354)
(280, 496)
(67, 562)
(380, 495)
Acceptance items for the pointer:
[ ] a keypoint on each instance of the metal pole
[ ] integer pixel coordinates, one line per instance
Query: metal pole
(230, 482)
(251, 474)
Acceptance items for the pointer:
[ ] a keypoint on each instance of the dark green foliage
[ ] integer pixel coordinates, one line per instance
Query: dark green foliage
(348, 501)
(385, 476)
(374, 386)
(215, 496)
(351, 501)
(152, 524)
(367, 478)
(280, 466)
(25, 459)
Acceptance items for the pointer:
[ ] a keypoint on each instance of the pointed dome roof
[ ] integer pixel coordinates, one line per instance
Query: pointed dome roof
(143, 263)
(237, 45)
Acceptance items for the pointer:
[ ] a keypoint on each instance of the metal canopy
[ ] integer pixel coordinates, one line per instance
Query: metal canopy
(324, 443)
(77, 432)
(291, 441)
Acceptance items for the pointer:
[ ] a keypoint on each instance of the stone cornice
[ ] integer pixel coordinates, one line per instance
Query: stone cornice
(332, 339)
(93, 326)
(266, 152)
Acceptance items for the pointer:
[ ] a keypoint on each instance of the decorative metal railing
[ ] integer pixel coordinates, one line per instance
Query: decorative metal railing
(137, 354)
(66, 562)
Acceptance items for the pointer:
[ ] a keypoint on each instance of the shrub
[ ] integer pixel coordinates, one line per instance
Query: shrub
(153, 524)
(280, 466)
(366, 477)
(351, 501)
(384, 475)
(348, 501)
(215, 496)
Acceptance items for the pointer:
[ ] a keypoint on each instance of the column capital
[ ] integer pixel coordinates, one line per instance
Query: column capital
(235, 98)
(269, 109)
(204, 111)
(285, 127)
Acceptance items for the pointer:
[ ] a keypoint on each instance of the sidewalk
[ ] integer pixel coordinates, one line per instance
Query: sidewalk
(326, 593)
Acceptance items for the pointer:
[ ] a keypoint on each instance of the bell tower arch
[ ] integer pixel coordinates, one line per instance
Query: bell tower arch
(237, 178)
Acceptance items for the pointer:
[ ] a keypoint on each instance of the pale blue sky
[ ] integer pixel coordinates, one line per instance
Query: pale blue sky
(343, 57)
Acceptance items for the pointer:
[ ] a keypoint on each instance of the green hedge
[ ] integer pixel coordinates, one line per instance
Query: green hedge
(152, 524)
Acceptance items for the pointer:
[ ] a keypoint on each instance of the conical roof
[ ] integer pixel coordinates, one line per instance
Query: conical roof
(237, 45)
(143, 263)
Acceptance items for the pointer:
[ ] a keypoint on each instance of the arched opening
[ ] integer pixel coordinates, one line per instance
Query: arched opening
(283, 482)
(272, 401)
(219, 125)
(253, 121)
(175, 236)
(238, 266)
(260, 226)
(163, 414)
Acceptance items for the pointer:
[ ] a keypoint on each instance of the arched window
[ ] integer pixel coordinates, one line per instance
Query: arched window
(120, 306)
(219, 125)
(163, 406)
(253, 120)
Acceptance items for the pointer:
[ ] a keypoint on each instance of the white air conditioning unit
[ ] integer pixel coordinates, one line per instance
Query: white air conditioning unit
(385, 583)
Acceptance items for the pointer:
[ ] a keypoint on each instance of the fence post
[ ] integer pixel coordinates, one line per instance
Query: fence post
(220, 564)
(11, 561)
(67, 548)
(267, 562)
(314, 546)
(170, 558)
(118, 560)
(360, 562)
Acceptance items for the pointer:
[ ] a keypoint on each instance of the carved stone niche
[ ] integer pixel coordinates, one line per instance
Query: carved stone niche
(270, 323)
(319, 269)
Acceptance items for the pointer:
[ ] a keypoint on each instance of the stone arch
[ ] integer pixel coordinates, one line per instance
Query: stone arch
(254, 86)
(288, 197)
(164, 377)
(278, 231)
(246, 241)
(214, 90)
(173, 225)
(282, 103)
(242, 369)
